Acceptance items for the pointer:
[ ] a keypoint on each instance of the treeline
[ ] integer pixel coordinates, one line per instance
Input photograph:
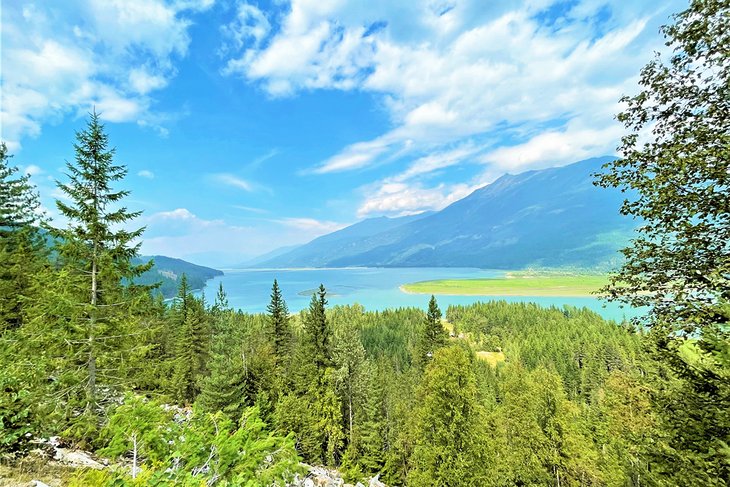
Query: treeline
(196, 392)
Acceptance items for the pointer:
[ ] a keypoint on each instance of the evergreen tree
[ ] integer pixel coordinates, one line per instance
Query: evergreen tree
(677, 266)
(317, 333)
(279, 323)
(191, 347)
(86, 315)
(371, 428)
(19, 201)
(433, 336)
(226, 387)
(22, 250)
(448, 424)
(349, 361)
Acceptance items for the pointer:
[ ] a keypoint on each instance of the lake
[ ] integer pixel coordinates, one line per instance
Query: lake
(374, 288)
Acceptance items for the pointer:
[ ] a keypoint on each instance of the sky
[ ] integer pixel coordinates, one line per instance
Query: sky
(247, 126)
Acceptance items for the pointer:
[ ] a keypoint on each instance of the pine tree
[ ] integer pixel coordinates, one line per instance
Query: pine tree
(317, 333)
(22, 249)
(433, 336)
(226, 385)
(349, 361)
(191, 347)
(86, 315)
(19, 201)
(279, 323)
(371, 427)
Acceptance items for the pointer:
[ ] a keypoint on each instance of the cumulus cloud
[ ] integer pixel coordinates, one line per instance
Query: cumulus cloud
(147, 174)
(111, 54)
(508, 85)
(400, 199)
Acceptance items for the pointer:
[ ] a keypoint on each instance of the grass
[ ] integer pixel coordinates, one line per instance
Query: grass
(492, 358)
(522, 283)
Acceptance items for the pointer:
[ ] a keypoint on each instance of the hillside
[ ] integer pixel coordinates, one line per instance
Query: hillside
(553, 217)
(340, 244)
(168, 271)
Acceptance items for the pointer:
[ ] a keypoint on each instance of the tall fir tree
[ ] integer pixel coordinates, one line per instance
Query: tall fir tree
(449, 424)
(279, 324)
(87, 316)
(191, 346)
(317, 331)
(433, 336)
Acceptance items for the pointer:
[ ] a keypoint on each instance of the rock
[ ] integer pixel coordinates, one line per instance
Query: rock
(375, 482)
(76, 458)
(38, 483)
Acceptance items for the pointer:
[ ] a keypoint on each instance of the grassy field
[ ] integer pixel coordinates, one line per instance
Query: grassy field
(514, 284)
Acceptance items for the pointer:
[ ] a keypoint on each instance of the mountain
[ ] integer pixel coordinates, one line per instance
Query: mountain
(168, 271)
(267, 256)
(337, 245)
(552, 217)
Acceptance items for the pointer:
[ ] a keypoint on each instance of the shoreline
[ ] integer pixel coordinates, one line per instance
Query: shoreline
(518, 294)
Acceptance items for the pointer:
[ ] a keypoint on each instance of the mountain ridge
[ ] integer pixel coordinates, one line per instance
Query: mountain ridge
(552, 217)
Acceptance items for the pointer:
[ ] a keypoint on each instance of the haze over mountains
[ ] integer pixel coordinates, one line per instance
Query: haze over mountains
(553, 217)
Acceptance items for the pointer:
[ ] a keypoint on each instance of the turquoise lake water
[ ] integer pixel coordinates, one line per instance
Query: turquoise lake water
(374, 288)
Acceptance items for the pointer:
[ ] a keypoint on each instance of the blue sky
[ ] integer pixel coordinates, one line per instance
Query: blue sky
(248, 126)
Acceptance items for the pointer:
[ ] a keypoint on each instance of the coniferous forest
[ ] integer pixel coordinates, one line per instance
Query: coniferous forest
(193, 392)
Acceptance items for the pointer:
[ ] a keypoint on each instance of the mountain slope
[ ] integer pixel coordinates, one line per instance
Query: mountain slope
(168, 271)
(553, 217)
(336, 245)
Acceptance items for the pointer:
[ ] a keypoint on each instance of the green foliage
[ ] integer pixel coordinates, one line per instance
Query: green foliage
(676, 166)
(433, 335)
(22, 250)
(195, 448)
(448, 424)
(140, 424)
(279, 318)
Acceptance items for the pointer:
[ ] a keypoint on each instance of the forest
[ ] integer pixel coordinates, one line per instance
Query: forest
(193, 392)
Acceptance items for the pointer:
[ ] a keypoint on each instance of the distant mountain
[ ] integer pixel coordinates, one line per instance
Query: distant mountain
(553, 217)
(338, 245)
(168, 271)
(267, 256)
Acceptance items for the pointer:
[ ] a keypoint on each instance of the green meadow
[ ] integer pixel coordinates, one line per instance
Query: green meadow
(514, 284)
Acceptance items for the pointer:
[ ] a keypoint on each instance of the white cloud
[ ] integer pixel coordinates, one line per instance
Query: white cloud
(500, 83)
(145, 173)
(33, 170)
(312, 226)
(398, 199)
(177, 214)
(231, 180)
(109, 53)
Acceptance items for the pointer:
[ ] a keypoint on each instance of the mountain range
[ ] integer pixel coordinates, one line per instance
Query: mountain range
(552, 217)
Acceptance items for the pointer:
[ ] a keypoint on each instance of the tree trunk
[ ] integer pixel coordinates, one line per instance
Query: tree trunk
(91, 384)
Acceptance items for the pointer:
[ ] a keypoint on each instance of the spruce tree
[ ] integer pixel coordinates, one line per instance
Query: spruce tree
(19, 201)
(317, 332)
(225, 388)
(86, 317)
(22, 249)
(433, 336)
(191, 345)
(279, 323)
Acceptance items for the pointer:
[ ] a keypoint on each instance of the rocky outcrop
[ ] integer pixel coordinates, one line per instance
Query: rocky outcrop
(324, 477)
